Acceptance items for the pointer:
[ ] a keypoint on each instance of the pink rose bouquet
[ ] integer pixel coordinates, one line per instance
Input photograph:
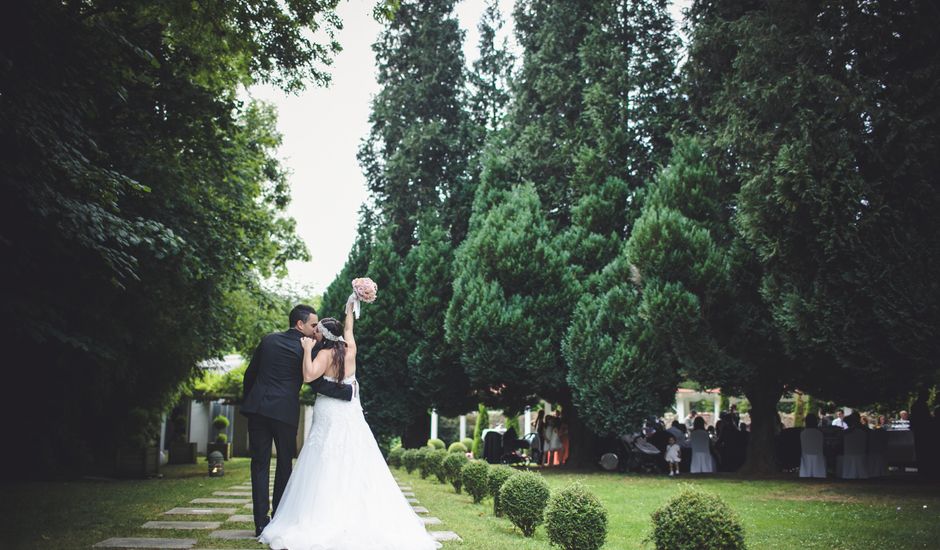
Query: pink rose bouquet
(364, 290)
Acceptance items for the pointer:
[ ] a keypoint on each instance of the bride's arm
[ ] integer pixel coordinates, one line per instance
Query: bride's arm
(314, 367)
(348, 328)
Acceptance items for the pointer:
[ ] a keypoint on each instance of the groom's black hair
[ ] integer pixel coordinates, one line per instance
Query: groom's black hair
(300, 313)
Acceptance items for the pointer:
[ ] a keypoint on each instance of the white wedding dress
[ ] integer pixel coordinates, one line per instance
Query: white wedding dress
(341, 494)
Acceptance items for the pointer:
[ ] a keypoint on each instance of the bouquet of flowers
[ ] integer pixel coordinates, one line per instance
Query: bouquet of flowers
(364, 290)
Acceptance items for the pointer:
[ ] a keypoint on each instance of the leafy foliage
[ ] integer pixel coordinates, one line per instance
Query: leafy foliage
(695, 519)
(523, 498)
(494, 482)
(473, 477)
(453, 464)
(395, 457)
(576, 520)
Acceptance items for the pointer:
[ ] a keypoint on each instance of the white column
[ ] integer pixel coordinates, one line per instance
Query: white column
(528, 421)
(463, 426)
(717, 397)
(433, 423)
(680, 409)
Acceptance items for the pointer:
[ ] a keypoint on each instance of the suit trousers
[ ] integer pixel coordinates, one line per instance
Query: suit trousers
(262, 431)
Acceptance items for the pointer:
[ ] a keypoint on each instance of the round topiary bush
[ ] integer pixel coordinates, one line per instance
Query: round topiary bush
(523, 498)
(422, 460)
(435, 443)
(452, 466)
(394, 457)
(694, 519)
(220, 422)
(473, 477)
(467, 443)
(434, 463)
(221, 438)
(457, 447)
(576, 520)
(494, 482)
(409, 459)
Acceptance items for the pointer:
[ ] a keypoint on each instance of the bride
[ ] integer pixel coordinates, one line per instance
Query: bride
(341, 494)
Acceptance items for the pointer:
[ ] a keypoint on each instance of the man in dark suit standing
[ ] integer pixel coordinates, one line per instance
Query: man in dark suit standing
(272, 404)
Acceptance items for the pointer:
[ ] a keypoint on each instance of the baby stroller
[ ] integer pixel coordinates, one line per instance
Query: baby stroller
(642, 455)
(512, 446)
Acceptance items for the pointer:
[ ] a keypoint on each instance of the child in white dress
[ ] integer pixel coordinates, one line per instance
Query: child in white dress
(673, 456)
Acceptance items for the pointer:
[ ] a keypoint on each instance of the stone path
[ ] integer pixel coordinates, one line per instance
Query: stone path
(239, 527)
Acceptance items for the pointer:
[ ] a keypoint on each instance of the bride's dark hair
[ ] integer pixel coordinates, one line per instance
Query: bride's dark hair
(339, 348)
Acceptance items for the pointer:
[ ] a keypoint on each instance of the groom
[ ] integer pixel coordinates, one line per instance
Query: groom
(272, 404)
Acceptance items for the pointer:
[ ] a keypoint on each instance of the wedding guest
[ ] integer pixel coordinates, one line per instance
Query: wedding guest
(676, 432)
(690, 419)
(673, 456)
(839, 421)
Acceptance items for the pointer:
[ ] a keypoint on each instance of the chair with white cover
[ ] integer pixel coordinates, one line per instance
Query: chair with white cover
(877, 453)
(853, 464)
(702, 461)
(812, 459)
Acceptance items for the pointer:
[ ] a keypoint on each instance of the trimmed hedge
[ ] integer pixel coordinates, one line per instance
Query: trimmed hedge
(457, 447)
(422, 461)
(452, 466)
(409, 459)
(435, 443)
(394, 457)
(576, 519)
(473, 476)
(467, 443)
(695, 519)
(523, 498)
(494, 482)
(433, 464)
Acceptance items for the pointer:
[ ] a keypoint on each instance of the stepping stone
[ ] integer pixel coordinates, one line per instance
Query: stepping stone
(118, 542)
(444, 535)
(408, 494)
(431, 520)
(187, 525)
(233, 534)
(240, 487)
(420, 509)
(404, 487)
(220, 500)
(241, 517)
(198, 511)
(412, 500)
(231, 494)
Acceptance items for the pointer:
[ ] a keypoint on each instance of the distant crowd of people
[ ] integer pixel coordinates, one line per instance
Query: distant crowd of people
(552, 438)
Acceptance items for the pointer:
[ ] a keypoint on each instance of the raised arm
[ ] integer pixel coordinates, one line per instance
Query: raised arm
(348, 327)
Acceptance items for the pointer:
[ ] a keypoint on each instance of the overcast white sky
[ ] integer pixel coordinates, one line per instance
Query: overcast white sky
(322, 128)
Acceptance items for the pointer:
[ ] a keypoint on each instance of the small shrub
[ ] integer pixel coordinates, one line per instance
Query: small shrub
(422, 460)
(394, 457)
(409, 459)
(434, 463)
(220, 422)
(576, 520)
(221, 438)
(435, 443)
(494, 482)
(467, 443)
(457, 447)
(473, 477)
(523, 498)
(452, 466)
(483, 423)
(694, 519)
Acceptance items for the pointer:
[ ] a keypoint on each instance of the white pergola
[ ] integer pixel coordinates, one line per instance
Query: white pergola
(685, 397)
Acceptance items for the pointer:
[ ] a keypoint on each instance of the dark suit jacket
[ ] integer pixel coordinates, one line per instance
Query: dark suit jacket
(274, 377)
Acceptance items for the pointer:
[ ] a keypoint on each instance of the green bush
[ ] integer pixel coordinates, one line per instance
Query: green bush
(523, 498)
(483, 423)
(435, 443)
(452, 466)
(220, 422)
(467, 443)
(394, 457)
(409, 459)
(221, 438)
(576, 520)
(421, 462)
(694, 519)
(494, 482)
(457, 447)
(473, 477)
(434, 463)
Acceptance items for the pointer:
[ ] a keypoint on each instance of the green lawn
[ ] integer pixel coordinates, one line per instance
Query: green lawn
(777, 513)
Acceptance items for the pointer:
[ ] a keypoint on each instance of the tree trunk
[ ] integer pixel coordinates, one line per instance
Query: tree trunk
(417, 431)
(582, 442)
(762, 442)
